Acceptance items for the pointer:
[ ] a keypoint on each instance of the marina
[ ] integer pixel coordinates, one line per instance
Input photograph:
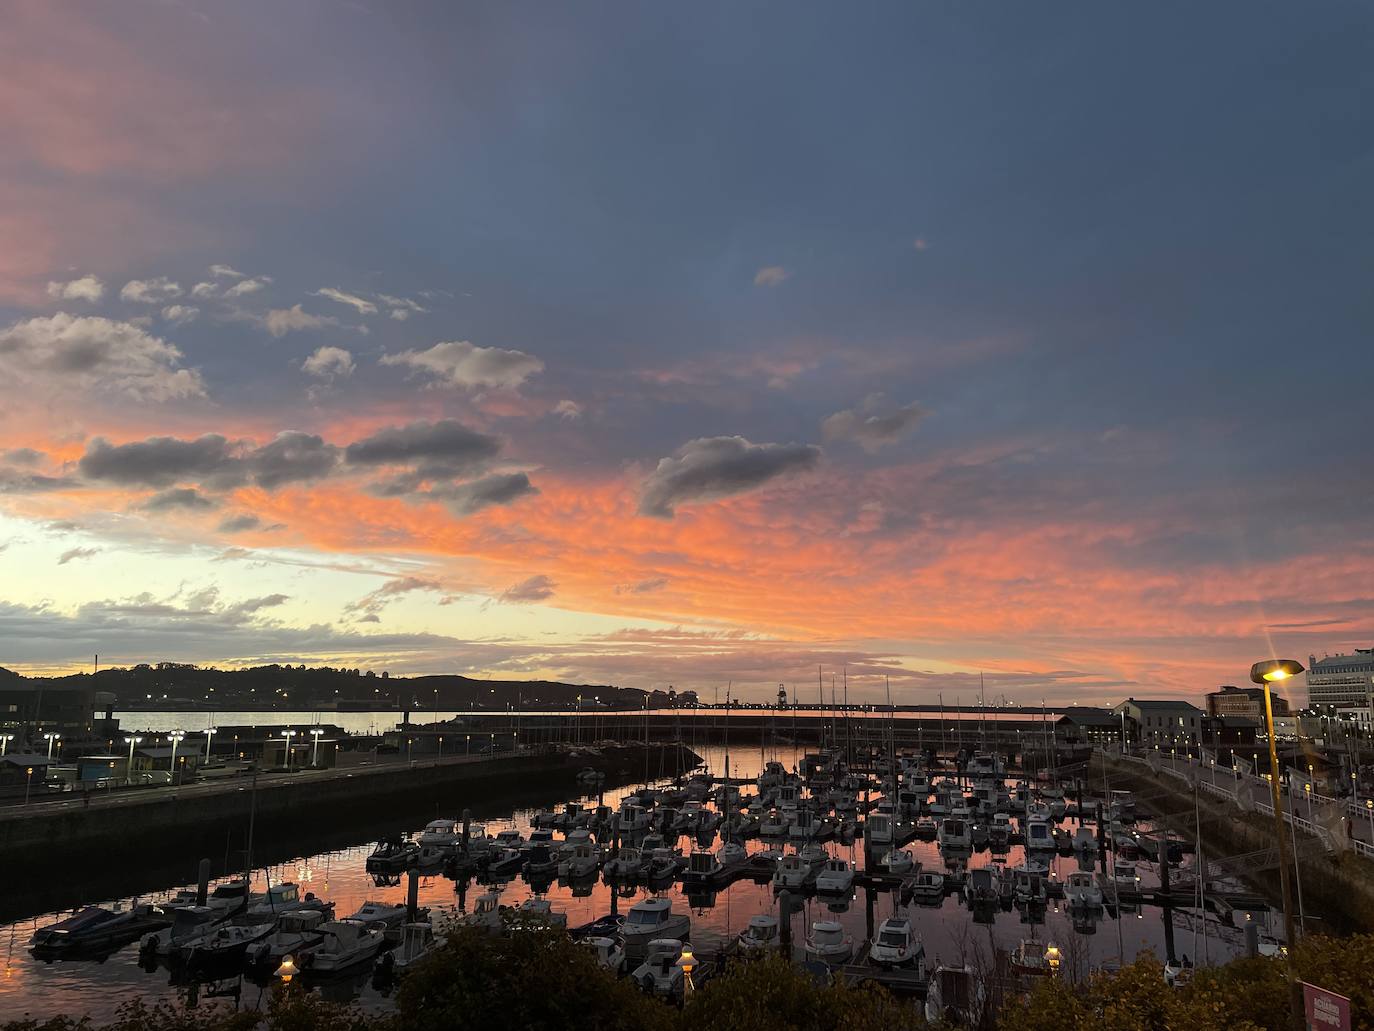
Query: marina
(679, 859)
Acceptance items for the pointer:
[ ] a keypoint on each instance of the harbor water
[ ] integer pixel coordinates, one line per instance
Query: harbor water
(38, 989)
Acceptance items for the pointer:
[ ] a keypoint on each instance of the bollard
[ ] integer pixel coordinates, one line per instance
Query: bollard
(467, 828)
(203, 883)
(413, 894)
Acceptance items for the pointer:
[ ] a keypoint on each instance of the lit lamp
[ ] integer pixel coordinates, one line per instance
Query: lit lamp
(209, 736)
(287, 970)
(51, 738)
(1266, 674)
(5, 740)
(130, 770)
(1053, 958)
(288, 734)
(687, 963)
(315, 749)
(175, 737)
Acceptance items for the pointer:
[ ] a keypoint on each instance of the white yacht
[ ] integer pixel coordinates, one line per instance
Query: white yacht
(878, 830)
(609, 953)
(898, 861)
(654, 918)
(381, 915)
(793, 872)
(660, 974)
(538, 911)
(345, 944)
(828, 943)
(1082, 891)
(1038, 835)
(927, 888)
(625, 866)
(486, 914)
(1084, 840)
(761, 933)
(1125, 875)
(296, 934)
(896, 944)
(188, 924)
(999, 830)
(582, 863)
(418, 940)
(836, 877)
(955, 835)
(441, 833)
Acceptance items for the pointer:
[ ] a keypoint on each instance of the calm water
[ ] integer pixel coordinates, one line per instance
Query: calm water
(29, 986)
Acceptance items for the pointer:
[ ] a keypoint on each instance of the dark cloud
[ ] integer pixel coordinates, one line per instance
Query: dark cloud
(436, 450)
(22, 456)
(718, 467)
(648, 586)
(73, 554)
(162, 461)
(292, 457)
(874, 423)
(240, 523)
(18, 481)
(536, 588)
(373, 602)
(177, 497)
(497, 489)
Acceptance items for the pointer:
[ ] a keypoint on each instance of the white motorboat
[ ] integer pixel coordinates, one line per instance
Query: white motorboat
(896, 944)
(189, 923)
(955, 835)
(381, 915)
(418, 940)
(632, 819)
(980, 888)
(836, 877)
(486, 914)
(625, 866)
(927, 888)
(345, 944)
(582, 863)
(774, 824)
(793, 872)
(297, 933)
(1039, 838)
(898, 861)
(267, 906)
(222, 945)
(441, 833)
(999, 831)
(703, 869)
(733, 856)
(1082, 891)
(878, 830)
(1084, 840)
(926, 828)
(1029, 887)
(660, 974)
(609, 952)
(1125, 875)
(537, 911)
(509, 838)
(652, 918)
(828, 943)
(761, 933)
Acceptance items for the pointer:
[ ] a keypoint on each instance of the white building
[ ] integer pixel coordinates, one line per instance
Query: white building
(1341, 680)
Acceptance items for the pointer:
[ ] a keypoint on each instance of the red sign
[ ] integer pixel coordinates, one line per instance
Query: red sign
(1326, 1011)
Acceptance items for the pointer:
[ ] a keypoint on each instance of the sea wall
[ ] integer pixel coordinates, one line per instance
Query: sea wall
(1337, 889)
(124, 845)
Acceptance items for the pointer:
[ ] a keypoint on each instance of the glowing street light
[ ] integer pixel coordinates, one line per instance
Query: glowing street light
(315, 750)
(687, 962)
(287, 970)
(209, 736)
(1266, 674)
(52, 738)
(288, 735)
(5, 740)
(175, 737)
(131, 741)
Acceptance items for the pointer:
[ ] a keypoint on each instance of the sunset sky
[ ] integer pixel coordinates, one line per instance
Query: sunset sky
(690, 343)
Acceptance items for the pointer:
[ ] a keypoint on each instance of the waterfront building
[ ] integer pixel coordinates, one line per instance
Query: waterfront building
(1336, 681)
(1243, 701)
(1164, 723)
(1088, 725)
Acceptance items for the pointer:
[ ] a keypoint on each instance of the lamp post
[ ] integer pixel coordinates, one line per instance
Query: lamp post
(1265, 674)
(28, 782)
(687, 962)
(1369, 808)
(288, 734)
(287, 970)
(315, 747)
(175, 737)
(5, 740)
(51, 738)
(209, 736)
(129, 770)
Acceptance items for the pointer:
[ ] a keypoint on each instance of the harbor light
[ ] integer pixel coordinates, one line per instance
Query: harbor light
(1053, 958)
(5, 740)
(51, 738)
(209, 736)
(1266, 674)
(315, 748)
(687, 962)
(129, 771)
(287, 970)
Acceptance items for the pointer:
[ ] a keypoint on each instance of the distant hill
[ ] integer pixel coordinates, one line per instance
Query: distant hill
(300, 687)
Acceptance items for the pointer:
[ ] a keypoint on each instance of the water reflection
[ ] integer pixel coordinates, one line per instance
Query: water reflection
(952, 928)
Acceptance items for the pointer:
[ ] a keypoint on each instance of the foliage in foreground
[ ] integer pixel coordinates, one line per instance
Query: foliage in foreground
(540, 980)
(1245, 995)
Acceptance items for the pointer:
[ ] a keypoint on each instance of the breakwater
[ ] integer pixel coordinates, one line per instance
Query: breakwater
(137, 841)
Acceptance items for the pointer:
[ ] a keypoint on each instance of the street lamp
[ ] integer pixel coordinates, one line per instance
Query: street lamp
(315, 749)
(5, 740)
(287, 970)
(209, 735)
(288, 734)
(687, 962)
(51, 738)
(131, 741)
(1266, 674)
(175, 737)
